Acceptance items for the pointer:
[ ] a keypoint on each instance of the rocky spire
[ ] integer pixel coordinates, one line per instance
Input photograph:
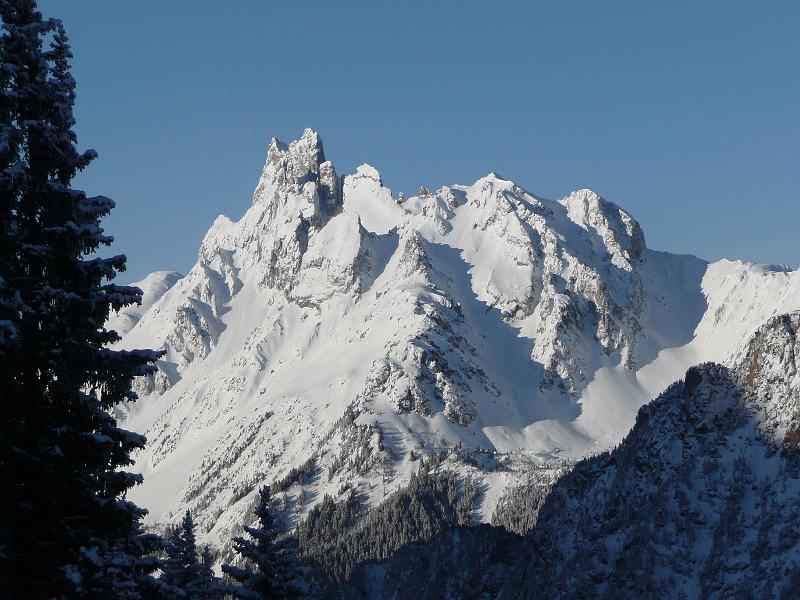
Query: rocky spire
(300, 168)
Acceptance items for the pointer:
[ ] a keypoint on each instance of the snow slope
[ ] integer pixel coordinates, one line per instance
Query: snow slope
(334, 333)
(153, 287)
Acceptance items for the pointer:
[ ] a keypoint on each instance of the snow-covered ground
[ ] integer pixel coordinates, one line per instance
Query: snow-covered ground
(338, 328)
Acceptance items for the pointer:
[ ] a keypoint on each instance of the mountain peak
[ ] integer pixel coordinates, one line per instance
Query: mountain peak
(301, 156)
(299, 169)
(308, 147)
(368, 172)
(618, 229)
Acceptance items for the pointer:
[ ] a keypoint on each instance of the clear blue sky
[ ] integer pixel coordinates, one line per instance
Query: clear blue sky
(687, 114)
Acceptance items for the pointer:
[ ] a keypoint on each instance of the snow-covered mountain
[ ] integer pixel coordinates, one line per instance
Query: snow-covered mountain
(700, 500)
(336, 333)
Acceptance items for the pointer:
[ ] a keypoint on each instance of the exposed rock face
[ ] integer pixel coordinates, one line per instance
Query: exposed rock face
(297, 194)
(335, 326)
(768, 372)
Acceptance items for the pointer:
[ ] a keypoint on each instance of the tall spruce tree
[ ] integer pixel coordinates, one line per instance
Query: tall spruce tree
(207, 586)
(184, 570)
(181, 565)
(265, 574)
(66, 529)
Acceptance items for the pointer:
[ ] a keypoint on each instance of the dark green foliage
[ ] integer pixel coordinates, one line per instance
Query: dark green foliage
(62, 457)
(266, 570)
(331, 539)
(518, 508)
(184, 570)
(464, 562)
(301, 474)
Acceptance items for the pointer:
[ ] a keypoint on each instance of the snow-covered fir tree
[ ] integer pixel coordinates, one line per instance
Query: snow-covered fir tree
(266, 569)
(207, 586)
(187, 571)
(181, 564)
(66, 529)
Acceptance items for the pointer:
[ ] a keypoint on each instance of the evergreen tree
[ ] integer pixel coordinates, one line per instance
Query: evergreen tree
(66, 529)
(265, 573)
(184, 569)
(182, 563)
(207, 586)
